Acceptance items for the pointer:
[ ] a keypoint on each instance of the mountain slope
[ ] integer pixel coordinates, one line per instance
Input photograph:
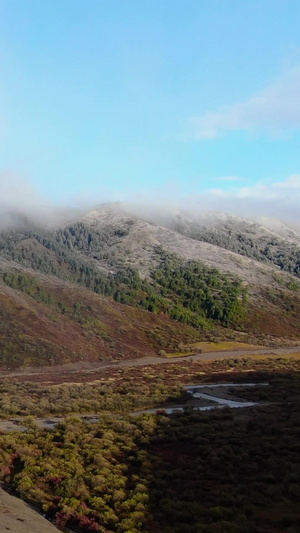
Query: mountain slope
(136, 242)
(62, 322)
(274, 296)
(63, 291)
(265, 240)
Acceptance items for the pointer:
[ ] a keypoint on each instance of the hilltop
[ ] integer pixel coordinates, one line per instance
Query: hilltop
(113, 284)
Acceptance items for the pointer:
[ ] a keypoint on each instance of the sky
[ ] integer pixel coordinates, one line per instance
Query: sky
(176, 101)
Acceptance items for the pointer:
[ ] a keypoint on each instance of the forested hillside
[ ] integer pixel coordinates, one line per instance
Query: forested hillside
(65, 278)
(187, 291)
(245, 239)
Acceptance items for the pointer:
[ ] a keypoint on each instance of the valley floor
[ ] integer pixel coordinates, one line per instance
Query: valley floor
(172, 468)
(89, 370)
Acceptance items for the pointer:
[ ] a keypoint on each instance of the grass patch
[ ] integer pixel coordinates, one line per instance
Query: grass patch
(223, 346)
(179, 354)
(262, 357)
(207, 347)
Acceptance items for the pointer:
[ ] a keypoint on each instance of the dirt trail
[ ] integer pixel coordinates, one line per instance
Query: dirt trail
(88, 367)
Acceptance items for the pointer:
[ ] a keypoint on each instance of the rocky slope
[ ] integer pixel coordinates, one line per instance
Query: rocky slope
(138, 240)
(16, 516)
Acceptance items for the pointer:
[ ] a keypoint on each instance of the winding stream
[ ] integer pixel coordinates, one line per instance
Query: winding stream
(214, 402)
(219, 402)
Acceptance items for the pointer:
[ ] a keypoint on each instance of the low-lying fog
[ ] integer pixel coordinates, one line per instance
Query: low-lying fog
(19, 202)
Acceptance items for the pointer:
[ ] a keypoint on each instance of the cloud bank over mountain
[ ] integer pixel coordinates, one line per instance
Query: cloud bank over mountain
(20, 199)
(278, 199)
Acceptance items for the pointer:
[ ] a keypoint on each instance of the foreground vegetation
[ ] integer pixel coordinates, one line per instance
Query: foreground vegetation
(224, 471)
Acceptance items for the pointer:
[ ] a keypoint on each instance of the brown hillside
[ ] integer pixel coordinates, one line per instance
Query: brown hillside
(92, 327)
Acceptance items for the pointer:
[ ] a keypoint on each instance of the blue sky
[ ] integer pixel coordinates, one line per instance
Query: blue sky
(108, 99)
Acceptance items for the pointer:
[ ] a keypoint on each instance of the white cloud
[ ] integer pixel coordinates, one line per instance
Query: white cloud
(277, 199)
(16, 193)
(272, 111)
(292, 182)
(18, 198)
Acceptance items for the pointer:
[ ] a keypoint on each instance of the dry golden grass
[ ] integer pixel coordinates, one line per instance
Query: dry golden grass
(208, 347)
(263, 357)
(223, 346)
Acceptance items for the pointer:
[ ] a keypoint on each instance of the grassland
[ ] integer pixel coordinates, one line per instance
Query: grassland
(208, 347)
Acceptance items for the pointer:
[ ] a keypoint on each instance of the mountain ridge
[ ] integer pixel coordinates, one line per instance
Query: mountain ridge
(174, 241)
(61, 288)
